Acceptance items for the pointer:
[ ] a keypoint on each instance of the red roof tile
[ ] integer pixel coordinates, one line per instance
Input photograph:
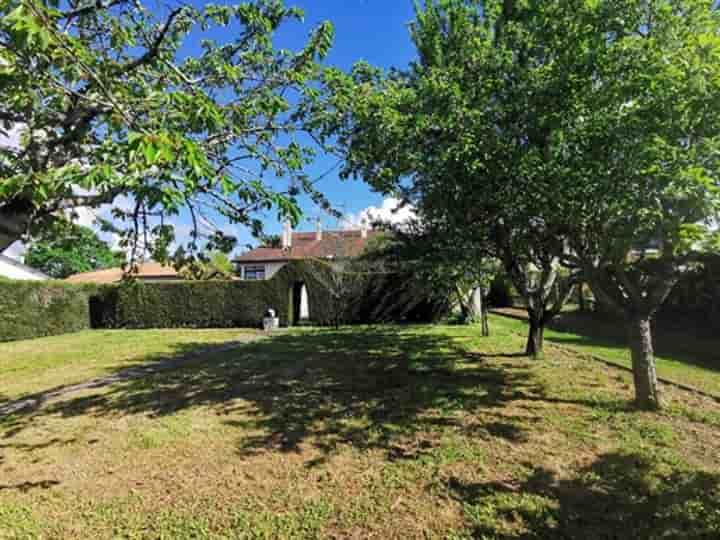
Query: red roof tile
(334, 244)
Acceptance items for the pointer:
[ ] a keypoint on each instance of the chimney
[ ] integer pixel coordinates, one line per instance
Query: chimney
(318, 230)
(287, 235)
(363, 228)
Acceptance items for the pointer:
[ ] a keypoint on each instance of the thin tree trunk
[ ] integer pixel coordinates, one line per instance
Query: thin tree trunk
(484, 317)
(647, 395)
(536, 334)
(581, 298)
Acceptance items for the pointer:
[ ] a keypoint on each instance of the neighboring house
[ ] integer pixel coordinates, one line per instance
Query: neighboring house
(264, 262)
(12, 269)
(150, 271)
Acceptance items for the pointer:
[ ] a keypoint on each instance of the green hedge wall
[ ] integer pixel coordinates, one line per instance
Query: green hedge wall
(30, 309)
(207, 304)
(34, 309)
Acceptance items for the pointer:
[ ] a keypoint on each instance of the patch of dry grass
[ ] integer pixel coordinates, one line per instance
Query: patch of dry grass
(384, 432)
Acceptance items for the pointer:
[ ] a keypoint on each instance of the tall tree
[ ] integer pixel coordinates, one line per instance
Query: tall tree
(641, 157)
(451, 136)
(109, 103)
(580, 132)
(66, 249)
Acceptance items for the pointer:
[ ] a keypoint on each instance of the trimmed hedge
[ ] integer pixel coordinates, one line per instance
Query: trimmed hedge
(30, 309)
(218, 304)
(502, 292)
(180, 304)
(34, 309)
(208, 304)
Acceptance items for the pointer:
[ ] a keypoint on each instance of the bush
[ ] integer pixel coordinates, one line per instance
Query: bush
(397, 297)
(30, 309)
(180, 304)
(33, 309)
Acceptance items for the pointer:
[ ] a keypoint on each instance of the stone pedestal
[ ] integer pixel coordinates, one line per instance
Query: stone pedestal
(271, 323)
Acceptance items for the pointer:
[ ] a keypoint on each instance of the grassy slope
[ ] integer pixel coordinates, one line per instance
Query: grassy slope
(412, 432)
(39, 364)
(681, 356)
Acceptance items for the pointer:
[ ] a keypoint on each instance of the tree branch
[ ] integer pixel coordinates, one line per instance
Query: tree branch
(154, 49)
(98, 5)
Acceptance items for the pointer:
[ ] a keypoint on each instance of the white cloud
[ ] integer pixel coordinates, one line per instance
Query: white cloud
(390, 211)
(11, 137)
(83, 215)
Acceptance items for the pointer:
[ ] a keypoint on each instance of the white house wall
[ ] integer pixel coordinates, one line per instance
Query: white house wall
(273, 268)
(12, 271)
(270, 268)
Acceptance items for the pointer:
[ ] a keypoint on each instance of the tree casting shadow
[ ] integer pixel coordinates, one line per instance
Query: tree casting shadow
(618, 496)
(368, 389)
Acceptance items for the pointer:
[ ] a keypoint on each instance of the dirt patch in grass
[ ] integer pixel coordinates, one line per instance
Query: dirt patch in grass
(384, 432)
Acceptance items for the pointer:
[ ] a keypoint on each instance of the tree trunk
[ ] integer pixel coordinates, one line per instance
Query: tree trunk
(534, 347)
(484, 317)
(13, 225)
(647, 395)
(581, 298)
(6, 241)
(475, 305)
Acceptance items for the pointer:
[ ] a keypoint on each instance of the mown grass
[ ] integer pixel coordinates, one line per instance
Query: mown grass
(37, 364)
(682, 354)
(367, 432)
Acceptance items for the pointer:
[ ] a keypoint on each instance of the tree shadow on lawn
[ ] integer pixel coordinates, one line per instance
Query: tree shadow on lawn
(369, 388)
(595, 330)
(619, 496)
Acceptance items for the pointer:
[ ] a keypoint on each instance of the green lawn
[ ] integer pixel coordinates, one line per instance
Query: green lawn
(39, 364)
(682, 355)
(367, 432)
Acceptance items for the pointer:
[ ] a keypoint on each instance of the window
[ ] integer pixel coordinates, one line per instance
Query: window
(254, 273)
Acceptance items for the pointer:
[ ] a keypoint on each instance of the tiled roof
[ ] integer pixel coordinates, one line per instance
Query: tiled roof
(334, 244)
(150, 270)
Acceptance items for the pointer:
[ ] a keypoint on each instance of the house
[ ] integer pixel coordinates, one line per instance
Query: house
(264, 262)
(149, 271)
(12, 269)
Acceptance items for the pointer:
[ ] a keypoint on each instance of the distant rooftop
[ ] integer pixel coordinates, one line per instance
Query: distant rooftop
(146, 271)
(305, 245)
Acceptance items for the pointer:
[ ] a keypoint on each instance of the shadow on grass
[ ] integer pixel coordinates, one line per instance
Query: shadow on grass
(364, 387)
(24, 487)
(671, 339)
(616, 497)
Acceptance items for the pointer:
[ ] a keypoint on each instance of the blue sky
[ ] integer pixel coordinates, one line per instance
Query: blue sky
(370, 30)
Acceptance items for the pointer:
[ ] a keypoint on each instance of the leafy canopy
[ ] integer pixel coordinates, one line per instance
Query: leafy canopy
(66, 249)
(109, 102)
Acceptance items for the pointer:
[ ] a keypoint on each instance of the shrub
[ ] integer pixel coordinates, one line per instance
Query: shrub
(30, 309)
(180, 304)
(33, 309)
